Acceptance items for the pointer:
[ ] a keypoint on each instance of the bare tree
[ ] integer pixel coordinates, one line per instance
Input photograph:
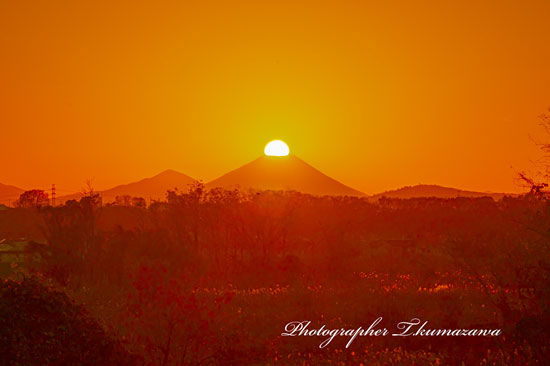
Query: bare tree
(538, 182)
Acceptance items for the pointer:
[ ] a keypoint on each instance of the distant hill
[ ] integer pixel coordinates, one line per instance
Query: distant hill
(282, 173)
(9, 193)
(148, 188)
(432, 190)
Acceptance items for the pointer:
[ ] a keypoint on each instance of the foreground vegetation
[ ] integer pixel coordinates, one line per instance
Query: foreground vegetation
(212, 278)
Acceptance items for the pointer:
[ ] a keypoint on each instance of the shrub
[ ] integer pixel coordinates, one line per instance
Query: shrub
(42, 326)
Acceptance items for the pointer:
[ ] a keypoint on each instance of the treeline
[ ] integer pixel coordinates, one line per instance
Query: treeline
(212, 276)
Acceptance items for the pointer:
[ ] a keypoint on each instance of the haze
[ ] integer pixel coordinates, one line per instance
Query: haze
(434, 92)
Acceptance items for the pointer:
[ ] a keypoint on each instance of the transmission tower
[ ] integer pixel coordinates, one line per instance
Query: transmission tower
(53, 194)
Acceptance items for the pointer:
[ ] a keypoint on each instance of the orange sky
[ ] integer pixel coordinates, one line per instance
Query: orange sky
(377, 94)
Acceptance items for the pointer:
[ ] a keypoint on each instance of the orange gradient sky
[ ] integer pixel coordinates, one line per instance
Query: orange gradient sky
(376, 94)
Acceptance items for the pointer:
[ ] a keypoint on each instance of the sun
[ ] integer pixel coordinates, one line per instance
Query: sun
(276, 148)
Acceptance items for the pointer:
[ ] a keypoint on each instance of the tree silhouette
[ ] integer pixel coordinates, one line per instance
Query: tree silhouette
(33, 199)
(538, 183)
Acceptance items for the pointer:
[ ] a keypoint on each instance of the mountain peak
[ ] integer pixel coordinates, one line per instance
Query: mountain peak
(154, 187)
(169, 173)
(283, 173)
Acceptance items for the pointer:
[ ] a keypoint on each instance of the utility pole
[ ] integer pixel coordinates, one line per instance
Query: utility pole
(53, 194)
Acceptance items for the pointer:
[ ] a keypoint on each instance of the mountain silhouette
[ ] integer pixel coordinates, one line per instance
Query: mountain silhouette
(9, 193)
(282, 173)
(148, 188)
(432, 190)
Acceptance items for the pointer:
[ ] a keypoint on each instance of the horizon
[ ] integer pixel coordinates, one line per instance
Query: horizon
(64, 192)
(62, 195)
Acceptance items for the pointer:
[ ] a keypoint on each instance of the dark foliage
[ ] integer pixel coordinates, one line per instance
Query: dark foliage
(212, 277)
(41, 326)
(35, 198)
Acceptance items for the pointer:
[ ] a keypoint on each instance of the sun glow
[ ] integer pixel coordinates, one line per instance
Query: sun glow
(276, 148)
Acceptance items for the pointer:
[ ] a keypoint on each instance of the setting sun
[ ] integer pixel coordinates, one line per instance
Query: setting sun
(276, 148)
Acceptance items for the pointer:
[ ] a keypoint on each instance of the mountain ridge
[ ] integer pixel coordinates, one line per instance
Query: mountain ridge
(263, 173)
(9, 193)
(434, 190)
(154, 187)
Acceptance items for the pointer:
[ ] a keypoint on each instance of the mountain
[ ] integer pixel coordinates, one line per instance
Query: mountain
(148, 188)
(9, 193)
(282, 173)
(431, 190)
